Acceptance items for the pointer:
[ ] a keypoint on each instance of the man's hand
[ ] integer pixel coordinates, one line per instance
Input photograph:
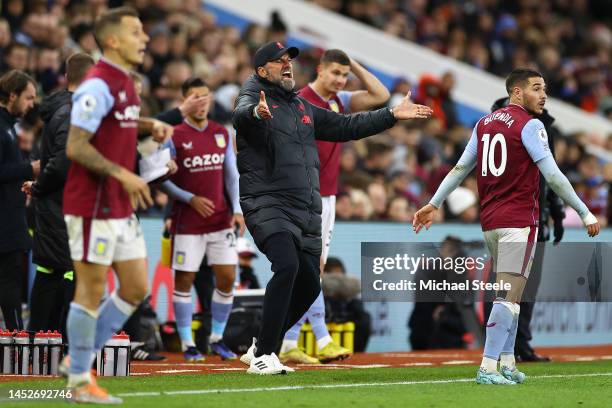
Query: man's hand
(262, 107)
(172, 167)
(409, 110)
(239, 219)
(424, 218)
(35, 168)
(27, 188)
(137, 189)
(202, 205)
(592, 224)
(161, 131)
(192, 104)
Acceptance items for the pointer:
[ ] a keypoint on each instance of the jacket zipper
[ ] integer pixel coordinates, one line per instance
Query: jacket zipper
(305, 165)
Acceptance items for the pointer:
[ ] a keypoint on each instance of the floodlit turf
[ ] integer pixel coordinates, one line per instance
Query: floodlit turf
(548, 385)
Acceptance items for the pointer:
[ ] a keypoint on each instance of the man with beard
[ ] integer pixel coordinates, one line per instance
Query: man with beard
(280, 197)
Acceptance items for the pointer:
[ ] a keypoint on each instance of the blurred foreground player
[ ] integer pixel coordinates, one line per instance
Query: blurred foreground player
(327, 91)
(510, 149)
(101, 195)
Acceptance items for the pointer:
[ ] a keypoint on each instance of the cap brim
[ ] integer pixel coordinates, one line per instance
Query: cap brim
(292, 51)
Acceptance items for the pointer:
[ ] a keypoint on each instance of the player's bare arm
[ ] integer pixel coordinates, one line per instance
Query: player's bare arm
(375, 94)
(160, 131)
(80, 150)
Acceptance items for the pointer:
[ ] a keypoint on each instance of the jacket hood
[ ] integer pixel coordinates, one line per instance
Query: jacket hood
(53, 102)
(256, 84)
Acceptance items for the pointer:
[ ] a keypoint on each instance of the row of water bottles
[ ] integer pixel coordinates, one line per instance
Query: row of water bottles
(19, 355)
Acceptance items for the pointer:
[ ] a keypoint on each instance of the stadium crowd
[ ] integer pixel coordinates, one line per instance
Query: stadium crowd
(386, 178)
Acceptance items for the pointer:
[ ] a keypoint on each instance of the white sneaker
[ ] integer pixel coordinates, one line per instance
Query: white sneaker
(250, 354)
(268, 364)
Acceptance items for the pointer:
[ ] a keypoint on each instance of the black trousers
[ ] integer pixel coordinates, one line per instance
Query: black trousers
(293, 288)
(11, 288)
(50, 301)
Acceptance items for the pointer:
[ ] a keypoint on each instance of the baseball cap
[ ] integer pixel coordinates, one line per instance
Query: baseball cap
(272, 51)
(244, 247)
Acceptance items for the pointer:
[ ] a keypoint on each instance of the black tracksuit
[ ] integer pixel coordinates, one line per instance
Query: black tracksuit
(278, 162)
(52, 292)
(14, 238)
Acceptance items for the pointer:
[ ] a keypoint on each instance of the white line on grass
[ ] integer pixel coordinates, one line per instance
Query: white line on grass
(319, 386)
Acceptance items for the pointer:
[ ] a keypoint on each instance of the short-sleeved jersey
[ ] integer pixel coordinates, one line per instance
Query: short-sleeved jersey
(106, 104)
(200, 156)
(509, 143)
(329, 152)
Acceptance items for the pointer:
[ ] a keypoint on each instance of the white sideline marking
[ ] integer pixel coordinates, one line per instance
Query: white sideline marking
(177, 371)
(416, 364)
(586, 358)
(175, 365)
(457, 362)
(330, 386)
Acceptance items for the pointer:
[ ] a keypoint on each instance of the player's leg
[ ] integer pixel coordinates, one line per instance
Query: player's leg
(516, 252)
(129, 263)
(221, 254)
(187, 256)
(512, 249)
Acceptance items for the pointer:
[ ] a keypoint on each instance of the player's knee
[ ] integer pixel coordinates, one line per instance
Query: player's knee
(183, 281)
(135, 294)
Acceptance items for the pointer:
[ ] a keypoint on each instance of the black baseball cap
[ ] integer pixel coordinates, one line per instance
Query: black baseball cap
(272, 51)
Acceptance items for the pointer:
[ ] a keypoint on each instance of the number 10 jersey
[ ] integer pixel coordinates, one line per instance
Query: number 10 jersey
(510, 143)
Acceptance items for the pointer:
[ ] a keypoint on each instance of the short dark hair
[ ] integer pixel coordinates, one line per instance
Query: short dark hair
(335, 55)
(334, 263)
(14, 81)
(109, 18)
(193, 82)
(520, 76)
(77, 66)
(13, 46)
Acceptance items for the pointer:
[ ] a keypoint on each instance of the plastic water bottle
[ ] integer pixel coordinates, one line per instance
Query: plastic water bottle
(40, 354)
(55, 351)
(6, 351)
(22, 353)
(115, 354)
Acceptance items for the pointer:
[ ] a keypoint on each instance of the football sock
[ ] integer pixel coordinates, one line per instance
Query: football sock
(81, 327)
(498, 329)
(181, 301)
(112, 314)
(220, 308)
(507, 354)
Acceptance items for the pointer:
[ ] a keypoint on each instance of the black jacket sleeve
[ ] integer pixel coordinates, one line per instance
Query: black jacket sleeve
(243, 113)
(335, 127)
(54, 175)
(11, 172)
(172, 117)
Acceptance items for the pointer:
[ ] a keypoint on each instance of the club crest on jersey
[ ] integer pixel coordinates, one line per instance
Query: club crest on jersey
(188, 146)
(220, 139)
(333, 105)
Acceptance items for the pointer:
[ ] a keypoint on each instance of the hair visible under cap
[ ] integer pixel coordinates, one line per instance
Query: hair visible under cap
(520, 76)
(335, 55)
(14, 81)
(77, 66)
(111, 18)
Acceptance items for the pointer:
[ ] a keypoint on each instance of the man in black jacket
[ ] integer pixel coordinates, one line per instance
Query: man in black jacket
(53, 287)
(278, 163)
(17, 95)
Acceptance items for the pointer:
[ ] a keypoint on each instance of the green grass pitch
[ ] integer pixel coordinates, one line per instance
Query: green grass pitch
(582, 384)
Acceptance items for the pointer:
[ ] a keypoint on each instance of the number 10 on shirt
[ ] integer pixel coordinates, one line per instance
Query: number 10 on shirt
(488, 154)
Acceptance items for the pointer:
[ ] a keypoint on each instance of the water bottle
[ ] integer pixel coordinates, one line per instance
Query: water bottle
(6, 352)
(115, 353)
(55, 351)
(22, 353)
(40, 354)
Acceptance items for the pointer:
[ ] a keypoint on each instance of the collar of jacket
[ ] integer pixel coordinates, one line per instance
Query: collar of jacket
(274, 90)
(6, 117)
